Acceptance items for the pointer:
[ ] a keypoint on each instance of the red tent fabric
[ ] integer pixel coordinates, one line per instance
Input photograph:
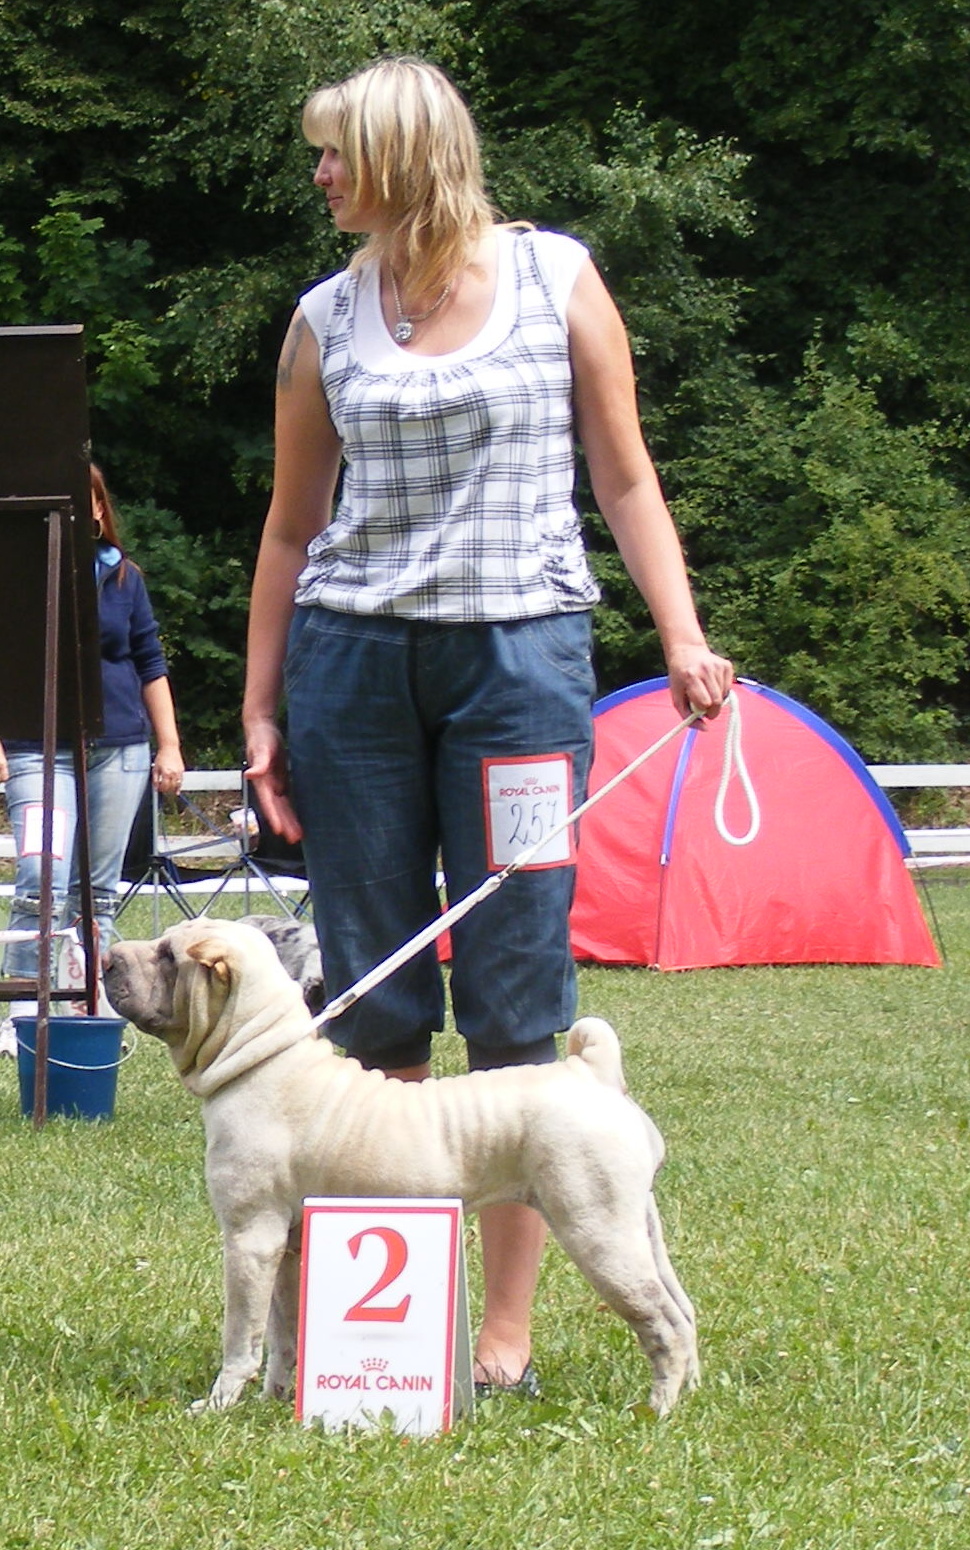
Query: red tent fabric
(823, 881)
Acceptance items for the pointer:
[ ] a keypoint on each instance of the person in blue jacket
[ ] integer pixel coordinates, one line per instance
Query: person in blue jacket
(138, 706)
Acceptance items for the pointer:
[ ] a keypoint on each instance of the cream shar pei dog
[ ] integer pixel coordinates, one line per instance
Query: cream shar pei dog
(287, 1117)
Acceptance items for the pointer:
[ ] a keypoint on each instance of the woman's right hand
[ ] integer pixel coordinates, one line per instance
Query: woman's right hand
(266, 768)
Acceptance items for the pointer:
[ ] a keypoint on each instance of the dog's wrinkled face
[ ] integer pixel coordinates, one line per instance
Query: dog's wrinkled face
(214, 991)
(142, 977)
(158, 984)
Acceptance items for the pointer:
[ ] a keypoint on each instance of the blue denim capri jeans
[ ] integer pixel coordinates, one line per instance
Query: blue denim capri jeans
(117, 775)
(389, 722)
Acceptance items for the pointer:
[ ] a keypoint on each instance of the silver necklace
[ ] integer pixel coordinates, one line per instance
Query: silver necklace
(404, 327)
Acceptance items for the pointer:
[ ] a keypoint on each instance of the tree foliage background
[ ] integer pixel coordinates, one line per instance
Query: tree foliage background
(777, 191)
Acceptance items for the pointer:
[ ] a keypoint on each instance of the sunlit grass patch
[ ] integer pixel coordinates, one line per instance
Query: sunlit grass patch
(815, 1200)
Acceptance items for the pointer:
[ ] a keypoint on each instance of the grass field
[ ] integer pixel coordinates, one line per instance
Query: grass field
(815, 1200)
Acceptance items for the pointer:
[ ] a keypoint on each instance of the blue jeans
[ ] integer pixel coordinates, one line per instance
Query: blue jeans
(391, 722)
(117, 776)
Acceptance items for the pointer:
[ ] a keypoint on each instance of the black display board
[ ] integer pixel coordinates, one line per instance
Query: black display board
(50, 682)
(45, 452)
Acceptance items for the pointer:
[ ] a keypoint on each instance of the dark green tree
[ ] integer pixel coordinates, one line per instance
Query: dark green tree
(154, 185)
(778, 197)
(835, 568)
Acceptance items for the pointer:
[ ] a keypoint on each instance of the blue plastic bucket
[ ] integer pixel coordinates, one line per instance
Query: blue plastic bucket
(83, 1056)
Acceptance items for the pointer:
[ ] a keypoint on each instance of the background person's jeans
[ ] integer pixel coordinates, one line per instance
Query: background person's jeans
(117, 776)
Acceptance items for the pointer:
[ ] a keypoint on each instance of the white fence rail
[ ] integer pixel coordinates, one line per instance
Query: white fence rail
(930, 847)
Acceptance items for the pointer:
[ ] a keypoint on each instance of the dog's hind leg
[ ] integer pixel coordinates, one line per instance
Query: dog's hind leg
(619, 1260)
(251, 1260)
(668, 1276)
(674, 1290)
(281, 1328)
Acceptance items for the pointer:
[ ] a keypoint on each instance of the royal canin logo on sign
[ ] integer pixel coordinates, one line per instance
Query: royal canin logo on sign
(374, 1377)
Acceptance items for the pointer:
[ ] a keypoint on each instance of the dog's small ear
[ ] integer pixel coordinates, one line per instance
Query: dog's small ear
(211, 953)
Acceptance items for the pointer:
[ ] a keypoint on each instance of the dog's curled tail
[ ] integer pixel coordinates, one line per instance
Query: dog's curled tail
(595, 1042)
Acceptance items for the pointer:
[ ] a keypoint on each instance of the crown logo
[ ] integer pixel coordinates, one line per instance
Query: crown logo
(374, 1363)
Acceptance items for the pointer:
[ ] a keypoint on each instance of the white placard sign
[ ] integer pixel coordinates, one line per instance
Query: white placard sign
(383, 1314)
(32, 843)
(526, 799)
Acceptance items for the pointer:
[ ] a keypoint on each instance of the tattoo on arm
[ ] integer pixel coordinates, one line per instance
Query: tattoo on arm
(291, 346)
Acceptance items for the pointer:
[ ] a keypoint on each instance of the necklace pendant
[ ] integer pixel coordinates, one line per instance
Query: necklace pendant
(404, 330)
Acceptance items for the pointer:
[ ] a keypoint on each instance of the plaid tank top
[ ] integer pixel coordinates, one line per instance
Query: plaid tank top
(456, 501)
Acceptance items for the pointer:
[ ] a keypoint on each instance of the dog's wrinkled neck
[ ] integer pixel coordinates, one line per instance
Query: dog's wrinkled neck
(233, 1047)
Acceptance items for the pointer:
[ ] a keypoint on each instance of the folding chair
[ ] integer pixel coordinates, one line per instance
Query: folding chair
(257, 862)
(152, 858)
(268, 856)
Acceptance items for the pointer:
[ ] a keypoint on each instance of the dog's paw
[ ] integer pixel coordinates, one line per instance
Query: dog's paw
(667, 1390)
(278, 1380)
(663, 1398)
(222, 1396)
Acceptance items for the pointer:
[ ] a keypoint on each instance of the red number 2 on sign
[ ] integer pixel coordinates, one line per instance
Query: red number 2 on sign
(366, 1311)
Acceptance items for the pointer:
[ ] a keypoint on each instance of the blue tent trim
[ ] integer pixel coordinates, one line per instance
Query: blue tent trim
(677, 785)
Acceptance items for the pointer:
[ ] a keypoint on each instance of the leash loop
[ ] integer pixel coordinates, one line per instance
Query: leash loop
(734, 761)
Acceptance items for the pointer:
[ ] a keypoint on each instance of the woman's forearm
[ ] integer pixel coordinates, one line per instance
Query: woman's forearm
(168, 766)
(270, 612)
(158, 702)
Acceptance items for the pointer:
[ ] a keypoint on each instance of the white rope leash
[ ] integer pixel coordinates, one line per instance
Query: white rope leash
(733, 759)
(437, 927)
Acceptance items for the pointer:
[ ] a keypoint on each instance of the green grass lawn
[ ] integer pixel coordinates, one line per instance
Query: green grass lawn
(816, 1200)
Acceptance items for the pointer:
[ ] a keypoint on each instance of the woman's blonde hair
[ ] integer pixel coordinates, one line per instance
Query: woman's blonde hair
(410, 149)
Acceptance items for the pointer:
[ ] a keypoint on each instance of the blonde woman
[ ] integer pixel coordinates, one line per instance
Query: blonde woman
(431, 626)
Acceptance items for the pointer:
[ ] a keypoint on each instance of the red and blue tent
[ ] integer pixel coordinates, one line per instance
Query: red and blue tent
(823, 880)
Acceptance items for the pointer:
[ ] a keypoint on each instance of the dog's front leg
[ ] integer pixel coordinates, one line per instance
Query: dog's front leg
(251, 1258)
(281, 1330)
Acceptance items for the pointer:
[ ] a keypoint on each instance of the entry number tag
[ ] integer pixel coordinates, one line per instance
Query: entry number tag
(526, 799)
(33, 843)
(383, 1314)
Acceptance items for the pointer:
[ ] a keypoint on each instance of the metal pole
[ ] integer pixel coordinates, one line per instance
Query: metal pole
(51, 641)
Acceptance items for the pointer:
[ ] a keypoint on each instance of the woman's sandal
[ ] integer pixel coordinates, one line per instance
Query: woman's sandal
(527, 1387)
